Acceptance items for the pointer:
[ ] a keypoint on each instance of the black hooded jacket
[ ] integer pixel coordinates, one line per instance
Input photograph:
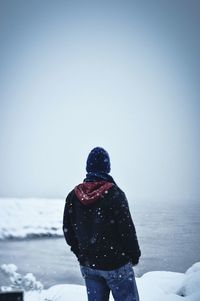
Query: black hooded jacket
(97, 224)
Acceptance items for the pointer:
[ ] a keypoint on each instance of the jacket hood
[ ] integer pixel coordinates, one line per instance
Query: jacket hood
(90, 192)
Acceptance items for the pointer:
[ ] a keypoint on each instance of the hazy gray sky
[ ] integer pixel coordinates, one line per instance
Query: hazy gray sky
(119, 74)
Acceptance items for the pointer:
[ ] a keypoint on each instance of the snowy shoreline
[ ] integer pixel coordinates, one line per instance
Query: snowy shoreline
(30, 218)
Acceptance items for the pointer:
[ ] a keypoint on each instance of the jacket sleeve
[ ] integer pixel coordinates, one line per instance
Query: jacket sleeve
(125, 228)
(68, 229)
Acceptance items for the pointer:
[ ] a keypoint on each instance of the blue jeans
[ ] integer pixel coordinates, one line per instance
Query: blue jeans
(121, 282)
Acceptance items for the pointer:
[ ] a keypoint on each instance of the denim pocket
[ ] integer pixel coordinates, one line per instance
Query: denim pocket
(122, 272)
(84, 271)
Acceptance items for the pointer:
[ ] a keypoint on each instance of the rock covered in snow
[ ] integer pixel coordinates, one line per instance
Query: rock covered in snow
(191, 283)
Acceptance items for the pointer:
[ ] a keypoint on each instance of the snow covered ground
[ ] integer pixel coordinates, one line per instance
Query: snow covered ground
(152, 286)
(20, 218)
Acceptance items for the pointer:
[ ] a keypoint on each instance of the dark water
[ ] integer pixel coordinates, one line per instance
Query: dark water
(169, 238)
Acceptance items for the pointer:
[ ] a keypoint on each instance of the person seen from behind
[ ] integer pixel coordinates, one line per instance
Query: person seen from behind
(98, 226)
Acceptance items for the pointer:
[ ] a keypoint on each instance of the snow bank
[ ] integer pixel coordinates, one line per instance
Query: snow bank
(191, 283)
(20, 218)
(170, 286)
(152, 286)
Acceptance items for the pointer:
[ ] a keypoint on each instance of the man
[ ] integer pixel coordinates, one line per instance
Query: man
(97, 224)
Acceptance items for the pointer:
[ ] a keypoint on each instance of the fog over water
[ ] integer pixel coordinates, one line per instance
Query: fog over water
(119, 74)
